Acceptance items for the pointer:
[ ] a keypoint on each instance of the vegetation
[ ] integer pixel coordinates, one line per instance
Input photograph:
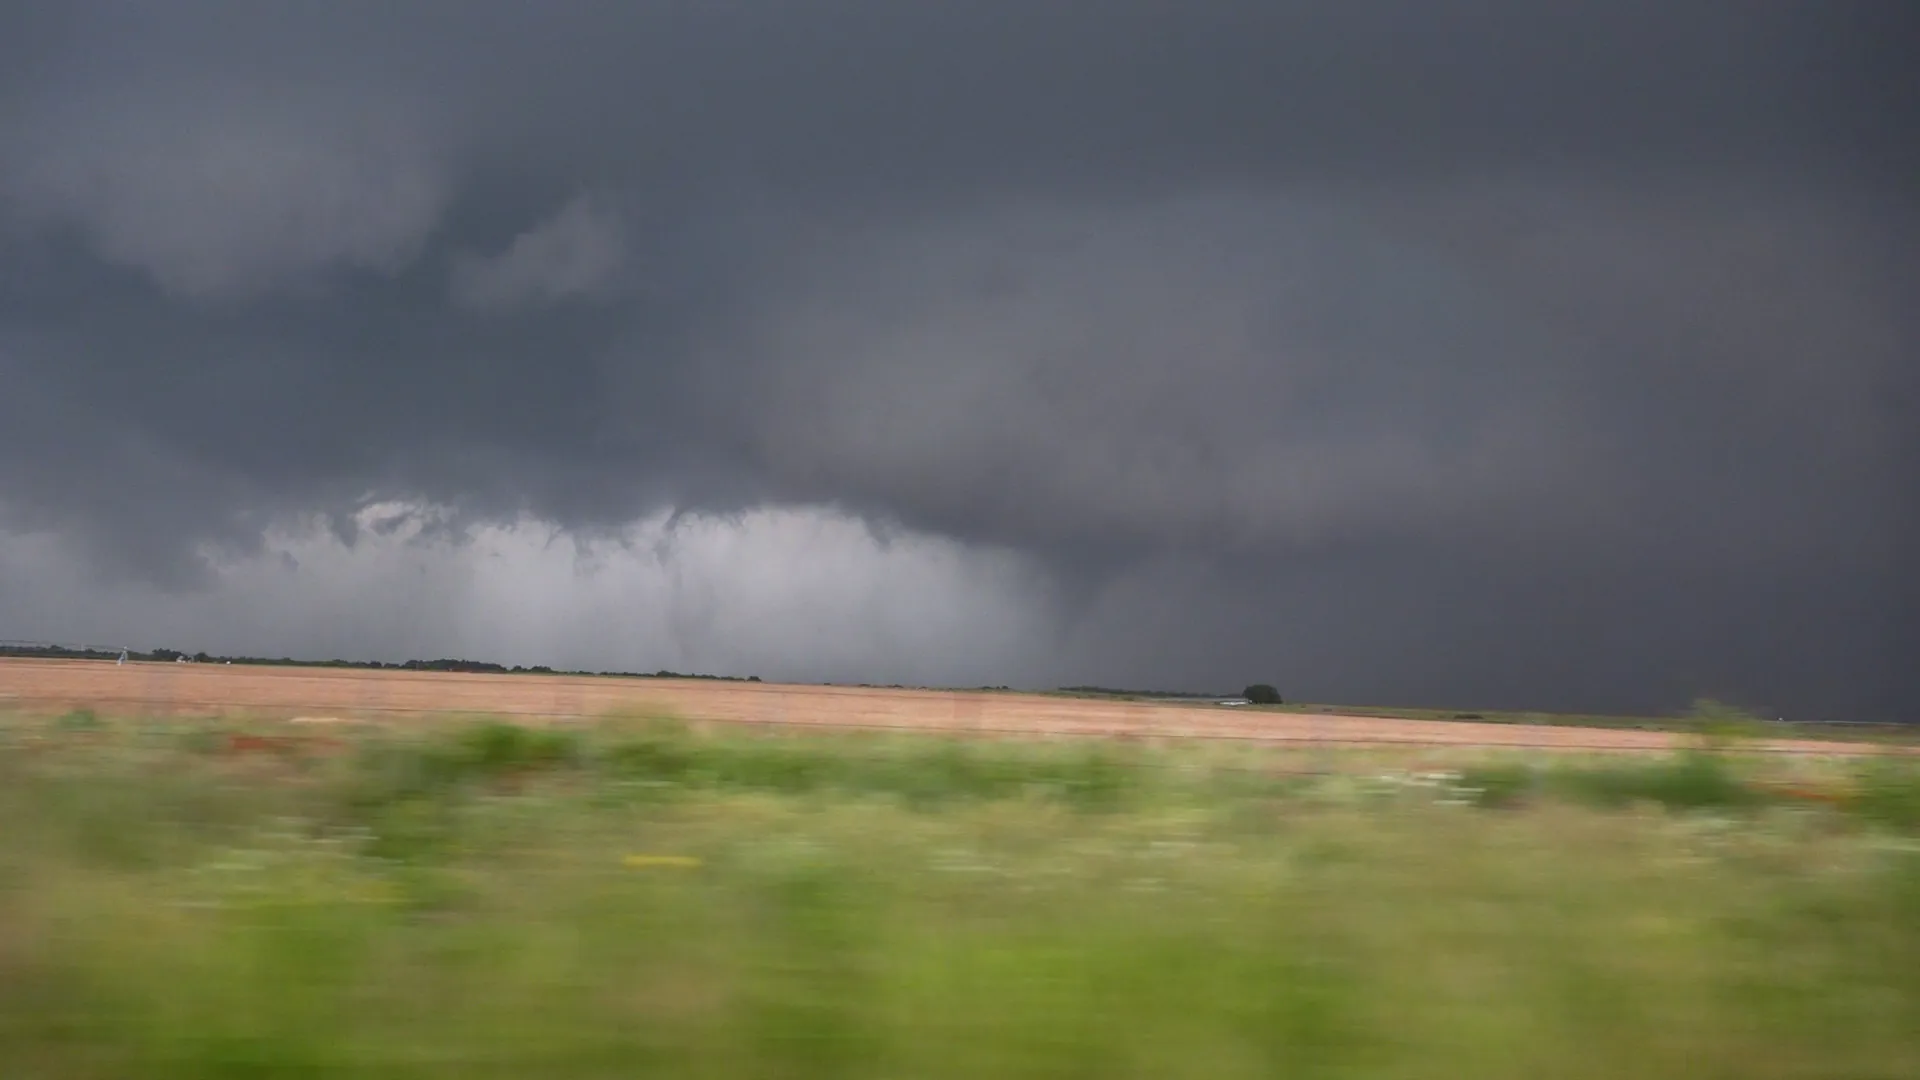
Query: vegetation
(1111, 692)
(1262, 694)
(42, 651)
(1707, 718)
(636, 898)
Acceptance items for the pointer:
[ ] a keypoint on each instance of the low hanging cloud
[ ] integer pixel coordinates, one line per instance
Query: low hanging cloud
(795, 593)
(1235, 375)
(576, 254)
(1185, 374)
(1544, 357)
(215, 195)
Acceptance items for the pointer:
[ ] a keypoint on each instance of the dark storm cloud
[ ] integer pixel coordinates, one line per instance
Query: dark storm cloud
(1554, 352)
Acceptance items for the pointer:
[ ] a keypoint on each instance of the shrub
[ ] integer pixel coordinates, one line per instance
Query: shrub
(79, 720)
(1889, 794)
(1694, 780)
(1722, 725)
(1497, 785)
(494, 749)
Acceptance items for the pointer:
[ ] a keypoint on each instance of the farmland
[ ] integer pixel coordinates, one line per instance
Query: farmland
(202, 689)
(674, 882)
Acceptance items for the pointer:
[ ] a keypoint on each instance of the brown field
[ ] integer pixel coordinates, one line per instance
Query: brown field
(345, 693)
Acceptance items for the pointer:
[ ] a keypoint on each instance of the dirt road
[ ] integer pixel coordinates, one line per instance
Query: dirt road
(43, 685)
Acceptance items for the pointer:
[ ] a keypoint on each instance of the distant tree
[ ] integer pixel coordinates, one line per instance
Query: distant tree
(202, 658)
(1262, 694)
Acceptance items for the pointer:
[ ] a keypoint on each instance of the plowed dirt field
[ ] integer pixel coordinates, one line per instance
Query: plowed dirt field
(40, 686)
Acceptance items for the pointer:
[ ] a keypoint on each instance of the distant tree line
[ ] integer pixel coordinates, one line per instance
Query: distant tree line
(1257, 694)
(1108, 691)
(34, 651)
(167, 656)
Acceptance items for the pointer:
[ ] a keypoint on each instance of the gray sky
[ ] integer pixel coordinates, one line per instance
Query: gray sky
(1467, 353)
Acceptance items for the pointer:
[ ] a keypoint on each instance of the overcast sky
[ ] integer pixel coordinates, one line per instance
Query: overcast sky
(1477, 354)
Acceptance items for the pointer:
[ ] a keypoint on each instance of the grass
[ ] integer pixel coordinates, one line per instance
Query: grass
(634, 899)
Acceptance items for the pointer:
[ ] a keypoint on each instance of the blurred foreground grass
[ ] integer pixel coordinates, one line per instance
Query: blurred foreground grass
(632, 899)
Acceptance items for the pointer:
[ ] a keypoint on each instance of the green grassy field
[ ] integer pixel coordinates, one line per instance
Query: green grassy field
(633, 899)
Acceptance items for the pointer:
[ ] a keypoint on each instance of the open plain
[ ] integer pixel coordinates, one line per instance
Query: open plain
(368, 694)
(192, 886)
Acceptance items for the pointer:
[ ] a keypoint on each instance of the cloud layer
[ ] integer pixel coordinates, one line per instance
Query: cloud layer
(1401, 351)
(576, 254)
(800, 593)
